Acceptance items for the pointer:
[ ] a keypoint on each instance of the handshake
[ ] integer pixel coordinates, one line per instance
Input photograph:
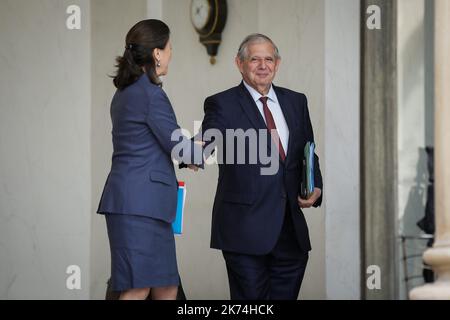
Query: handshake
(192, 166)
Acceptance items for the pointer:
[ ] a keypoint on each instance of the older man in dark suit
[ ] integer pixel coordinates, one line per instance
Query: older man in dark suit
(257, 219)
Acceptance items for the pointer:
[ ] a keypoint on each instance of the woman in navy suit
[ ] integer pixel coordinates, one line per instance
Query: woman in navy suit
(140, 194)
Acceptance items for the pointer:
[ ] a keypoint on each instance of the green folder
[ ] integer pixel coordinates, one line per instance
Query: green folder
(307, 184)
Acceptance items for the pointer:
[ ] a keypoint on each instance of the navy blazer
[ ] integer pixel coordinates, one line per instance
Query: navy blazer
(142, 179)
(249, 208)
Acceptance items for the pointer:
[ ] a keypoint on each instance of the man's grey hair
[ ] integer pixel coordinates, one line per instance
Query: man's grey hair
(252, 39)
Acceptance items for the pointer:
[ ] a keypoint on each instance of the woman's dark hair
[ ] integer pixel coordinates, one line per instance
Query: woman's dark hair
(141, 40)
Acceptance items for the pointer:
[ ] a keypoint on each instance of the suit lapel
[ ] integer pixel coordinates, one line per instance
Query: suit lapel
(250, 108)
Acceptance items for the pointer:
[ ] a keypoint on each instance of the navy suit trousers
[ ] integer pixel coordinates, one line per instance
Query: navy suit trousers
(275, 276)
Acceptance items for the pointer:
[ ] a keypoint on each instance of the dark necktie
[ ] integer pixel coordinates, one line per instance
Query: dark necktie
(271, 126)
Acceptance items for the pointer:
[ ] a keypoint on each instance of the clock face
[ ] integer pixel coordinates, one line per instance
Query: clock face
(200, 12)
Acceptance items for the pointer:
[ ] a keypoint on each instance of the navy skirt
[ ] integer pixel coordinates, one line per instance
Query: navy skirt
(142, 252)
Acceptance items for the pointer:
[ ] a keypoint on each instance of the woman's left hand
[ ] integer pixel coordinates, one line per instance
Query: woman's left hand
(192, 167)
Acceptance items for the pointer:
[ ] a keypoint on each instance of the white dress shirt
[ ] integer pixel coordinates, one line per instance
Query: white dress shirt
(277, 113)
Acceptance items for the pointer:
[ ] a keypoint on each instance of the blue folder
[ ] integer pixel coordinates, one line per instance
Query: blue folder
(177, 225)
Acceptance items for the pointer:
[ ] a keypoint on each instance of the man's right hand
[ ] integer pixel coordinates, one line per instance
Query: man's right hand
(308, 203)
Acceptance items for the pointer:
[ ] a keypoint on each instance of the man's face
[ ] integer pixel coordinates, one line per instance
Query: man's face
(260, 66)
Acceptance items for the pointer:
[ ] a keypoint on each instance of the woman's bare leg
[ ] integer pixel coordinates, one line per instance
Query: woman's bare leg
(164, 293)
(135, 294)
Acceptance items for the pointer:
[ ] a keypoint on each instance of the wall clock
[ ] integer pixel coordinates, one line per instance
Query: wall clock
(209, 18)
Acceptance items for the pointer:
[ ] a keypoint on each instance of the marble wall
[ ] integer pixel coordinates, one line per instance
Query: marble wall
(45, 118)
(342, 145)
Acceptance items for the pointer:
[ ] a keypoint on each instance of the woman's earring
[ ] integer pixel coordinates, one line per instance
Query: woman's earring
(158, 64)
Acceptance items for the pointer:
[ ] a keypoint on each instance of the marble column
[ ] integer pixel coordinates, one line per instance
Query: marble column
(379, 150)
(439, 255)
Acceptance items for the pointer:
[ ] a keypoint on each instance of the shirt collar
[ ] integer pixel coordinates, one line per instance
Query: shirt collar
(256, 95)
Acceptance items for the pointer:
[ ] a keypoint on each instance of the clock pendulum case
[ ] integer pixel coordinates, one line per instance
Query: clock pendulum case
(209, 18)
